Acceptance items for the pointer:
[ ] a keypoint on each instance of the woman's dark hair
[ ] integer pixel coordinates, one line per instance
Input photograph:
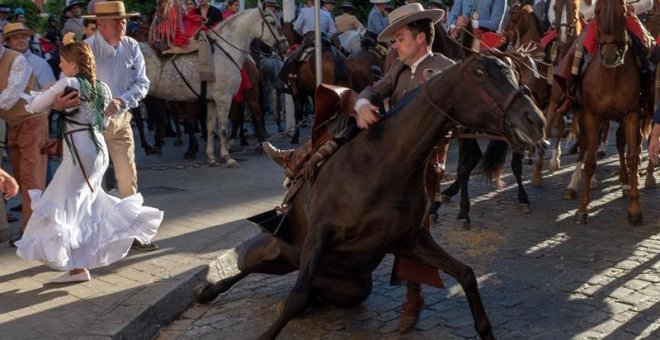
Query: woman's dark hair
(423, 26)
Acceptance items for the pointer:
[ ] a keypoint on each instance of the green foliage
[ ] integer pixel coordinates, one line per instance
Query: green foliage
(142, 6)
(33, 18)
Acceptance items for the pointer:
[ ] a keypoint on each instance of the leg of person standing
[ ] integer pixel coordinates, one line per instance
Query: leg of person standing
(121, 147)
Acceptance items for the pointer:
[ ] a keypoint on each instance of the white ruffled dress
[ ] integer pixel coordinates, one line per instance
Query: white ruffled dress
(71, 225)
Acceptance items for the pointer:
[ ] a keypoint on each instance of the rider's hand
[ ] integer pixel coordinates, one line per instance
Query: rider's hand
(463, 22)
(63, 102)
(367, 114)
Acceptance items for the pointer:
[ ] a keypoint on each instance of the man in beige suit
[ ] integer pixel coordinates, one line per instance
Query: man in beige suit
(347, 21)
(411, 30)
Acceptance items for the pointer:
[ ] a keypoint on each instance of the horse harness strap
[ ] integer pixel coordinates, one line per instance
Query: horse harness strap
(185, 81)
(215, 43)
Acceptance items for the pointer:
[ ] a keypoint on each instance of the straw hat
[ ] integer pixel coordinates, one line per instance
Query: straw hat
(110, 10)
(13, 28)
(407, 14)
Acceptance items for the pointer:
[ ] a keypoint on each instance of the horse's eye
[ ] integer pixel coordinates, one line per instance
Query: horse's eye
(480, 73)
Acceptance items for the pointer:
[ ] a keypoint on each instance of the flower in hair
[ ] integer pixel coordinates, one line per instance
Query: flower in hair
(69, 38)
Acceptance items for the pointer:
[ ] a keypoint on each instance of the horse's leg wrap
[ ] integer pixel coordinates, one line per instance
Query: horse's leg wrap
(411, 308)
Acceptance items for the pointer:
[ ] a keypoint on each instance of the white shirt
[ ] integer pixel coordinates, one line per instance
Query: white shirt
(40, 68)
(19, 75)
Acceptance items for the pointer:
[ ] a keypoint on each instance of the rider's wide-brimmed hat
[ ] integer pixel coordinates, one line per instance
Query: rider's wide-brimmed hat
(110, 10)
(379, 1)
(272, 3)
(334, 2)
(13, 28)
(71, 3)
(347, 5)
(407, 14)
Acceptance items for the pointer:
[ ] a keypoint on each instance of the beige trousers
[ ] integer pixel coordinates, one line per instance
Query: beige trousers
(121, 147)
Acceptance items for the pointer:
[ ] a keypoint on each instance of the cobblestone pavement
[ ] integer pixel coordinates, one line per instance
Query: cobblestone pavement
(541, 276)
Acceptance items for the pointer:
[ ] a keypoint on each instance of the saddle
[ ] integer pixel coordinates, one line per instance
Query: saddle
(334, 110)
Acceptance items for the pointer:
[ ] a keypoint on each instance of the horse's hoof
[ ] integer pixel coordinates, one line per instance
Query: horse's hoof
(529, 161)
(569, 194)
(203, 292)
(232, 163)
(601, 154)
(244, 142)
(464, 224)
(444, 199)
(581, 218)
(212, 162)
(151, 151)
(190, 155)
(625, 190)
(526, 208)
(554, 166)
(634, 219)
(649, 182)
(433, 217)
(537, 181)
(178, 143)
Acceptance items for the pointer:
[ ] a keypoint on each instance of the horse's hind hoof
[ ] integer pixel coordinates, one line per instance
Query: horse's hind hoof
(444, 199)
(569, 194)
(190, 155)
(650, 183)
(526, 208)
(635, 219)
(232, 163)
(464, 224)
(581, 218)
(203, 292)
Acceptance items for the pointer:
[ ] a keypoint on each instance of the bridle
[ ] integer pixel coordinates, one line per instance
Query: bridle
(482, 93)
(620, 44)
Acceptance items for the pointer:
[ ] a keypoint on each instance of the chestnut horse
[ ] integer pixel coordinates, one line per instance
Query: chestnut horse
(610, 90)
(335, 71)
(343, 223)
(523, 26)
(568, 25)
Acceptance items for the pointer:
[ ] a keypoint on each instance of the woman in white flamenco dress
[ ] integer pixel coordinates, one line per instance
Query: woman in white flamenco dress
(75, 225)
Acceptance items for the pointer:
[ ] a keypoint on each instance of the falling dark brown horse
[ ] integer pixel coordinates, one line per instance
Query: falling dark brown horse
(368, 200)
(610, 90)
(335, 71)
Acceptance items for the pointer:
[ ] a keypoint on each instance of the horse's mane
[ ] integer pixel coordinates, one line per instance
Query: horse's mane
(535, 19)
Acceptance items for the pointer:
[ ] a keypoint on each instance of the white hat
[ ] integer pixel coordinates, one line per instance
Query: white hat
(407, 14)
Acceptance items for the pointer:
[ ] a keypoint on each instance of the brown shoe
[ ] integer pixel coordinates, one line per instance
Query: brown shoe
(281, 157)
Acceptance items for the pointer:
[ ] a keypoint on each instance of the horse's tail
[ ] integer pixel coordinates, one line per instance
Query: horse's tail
(493, 159)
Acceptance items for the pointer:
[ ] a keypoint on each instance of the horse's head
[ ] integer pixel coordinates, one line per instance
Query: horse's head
(566, 19)
(512, 28)
(270, 30)
(497, 102)
(612, 35)
(521, 21)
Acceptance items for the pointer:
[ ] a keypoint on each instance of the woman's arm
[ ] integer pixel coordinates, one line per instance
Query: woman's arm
(42, 101)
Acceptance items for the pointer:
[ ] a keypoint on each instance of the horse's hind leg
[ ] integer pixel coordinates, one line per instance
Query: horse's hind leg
(516, 166)
(428, 252)
(260, 254)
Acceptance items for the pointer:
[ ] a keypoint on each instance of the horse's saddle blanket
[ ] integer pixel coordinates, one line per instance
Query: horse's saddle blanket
(190, 48)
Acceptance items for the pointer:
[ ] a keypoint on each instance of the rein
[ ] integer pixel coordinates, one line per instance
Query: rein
(185, 81)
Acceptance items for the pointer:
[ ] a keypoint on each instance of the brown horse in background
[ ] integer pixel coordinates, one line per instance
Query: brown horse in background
(523, 26)
(366, 65)
(569, 27)
(251, 99)
(335, 71)
(610, 90)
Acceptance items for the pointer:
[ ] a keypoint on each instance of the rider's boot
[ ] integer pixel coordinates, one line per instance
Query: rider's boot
(291, 159)
(412, 307)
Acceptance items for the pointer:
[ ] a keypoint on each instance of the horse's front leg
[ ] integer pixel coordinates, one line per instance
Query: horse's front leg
(427, 251)
(211, 123)
(624, 178)
(314, 248)
(633, 139)
(516, 166)
(222, 112)
(589, 131)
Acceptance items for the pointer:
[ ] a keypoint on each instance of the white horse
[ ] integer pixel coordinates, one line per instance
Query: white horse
(231, 39)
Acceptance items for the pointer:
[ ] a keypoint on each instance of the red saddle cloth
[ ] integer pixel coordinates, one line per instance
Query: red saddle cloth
(548, 37)
(490, 40)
